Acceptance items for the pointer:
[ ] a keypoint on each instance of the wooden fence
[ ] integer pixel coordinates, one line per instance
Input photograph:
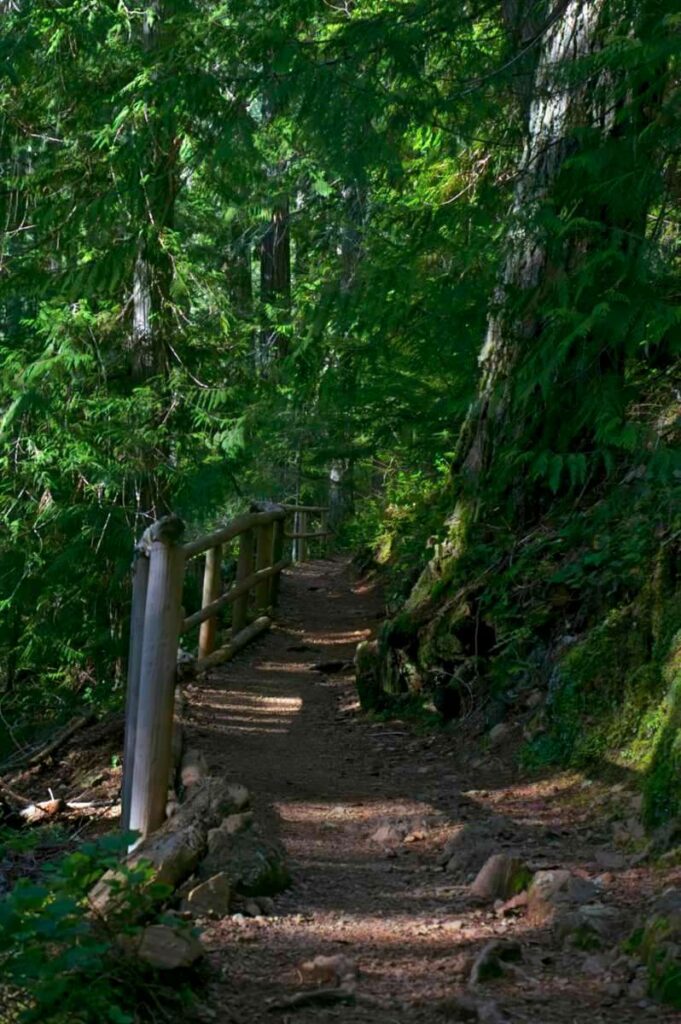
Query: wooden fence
(158, 620)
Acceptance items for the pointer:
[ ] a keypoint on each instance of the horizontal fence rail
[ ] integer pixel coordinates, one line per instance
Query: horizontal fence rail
(158, 620)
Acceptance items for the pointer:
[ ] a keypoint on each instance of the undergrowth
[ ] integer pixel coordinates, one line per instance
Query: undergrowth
(62, 963)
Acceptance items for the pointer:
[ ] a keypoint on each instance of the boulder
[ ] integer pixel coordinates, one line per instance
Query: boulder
(501, 877)
(253, 865)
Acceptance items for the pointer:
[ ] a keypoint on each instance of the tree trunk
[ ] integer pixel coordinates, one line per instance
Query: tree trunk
(153, 269)
(275, 281)
(556, 108)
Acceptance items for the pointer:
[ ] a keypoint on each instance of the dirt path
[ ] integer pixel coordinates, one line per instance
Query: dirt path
(327, 780)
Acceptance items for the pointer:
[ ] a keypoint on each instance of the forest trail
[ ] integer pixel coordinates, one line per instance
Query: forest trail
(364, 809)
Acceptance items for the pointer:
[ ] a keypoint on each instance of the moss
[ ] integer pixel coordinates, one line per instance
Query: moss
(400, 631)
(657, 944)
(616, 699)
(440, 642)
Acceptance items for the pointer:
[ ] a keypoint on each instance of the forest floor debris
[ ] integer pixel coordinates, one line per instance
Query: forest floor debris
(381, 923)
(386, 826)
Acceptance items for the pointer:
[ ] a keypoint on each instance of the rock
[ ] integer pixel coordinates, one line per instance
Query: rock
(239, 797)
(501, 877)
(516, 903)
(329, 971)
(193, 769)
(638, 989)
(594, 965)
(368, 675)
(668, 903)
(610, 860)
(254, 865)
(252, 908)
(212, 898)
(235, 823)
(666, 836)
(266, 905)
(659, 946)
(490, 961)
(466, 852)
(592, 925)
(389, 834)
(466, 1008)
(551, 892)
(168, 949)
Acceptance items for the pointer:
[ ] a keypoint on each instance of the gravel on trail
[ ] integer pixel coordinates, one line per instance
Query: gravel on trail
(364, 809)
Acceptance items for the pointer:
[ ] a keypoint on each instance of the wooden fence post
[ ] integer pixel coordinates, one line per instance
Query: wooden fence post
(302, 543)
(140, 579)
(244, 568)
(211, 592)
(324, 528)
(151, 758)
(263, 591)
(277, 555)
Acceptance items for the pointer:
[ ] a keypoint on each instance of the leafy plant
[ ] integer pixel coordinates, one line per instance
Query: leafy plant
(61, 963)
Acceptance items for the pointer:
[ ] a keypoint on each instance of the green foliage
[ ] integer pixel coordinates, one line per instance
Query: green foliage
(61, 963)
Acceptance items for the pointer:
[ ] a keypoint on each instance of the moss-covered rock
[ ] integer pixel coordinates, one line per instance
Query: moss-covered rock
(615, 696)
(658, 944)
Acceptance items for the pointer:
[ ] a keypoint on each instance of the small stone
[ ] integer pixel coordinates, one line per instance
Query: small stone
(552, 892)
(606, 924)
(490, 962)
(168, 949)
(389, 834)
(211, 898)
(328, 971)
(466, 1008)
(594, 965)
(235, 823)
(637, 989)
(500, 878)
(251, 908)
(668, 903)
(238, 797)
(511, 906)
(610, 860)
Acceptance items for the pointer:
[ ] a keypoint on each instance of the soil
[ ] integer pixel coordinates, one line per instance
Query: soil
(327, 779)
(364, 808)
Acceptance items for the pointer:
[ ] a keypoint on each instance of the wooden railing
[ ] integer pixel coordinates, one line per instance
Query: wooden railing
(158, 620)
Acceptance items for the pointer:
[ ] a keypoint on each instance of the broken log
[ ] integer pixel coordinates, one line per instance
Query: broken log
(175, 849)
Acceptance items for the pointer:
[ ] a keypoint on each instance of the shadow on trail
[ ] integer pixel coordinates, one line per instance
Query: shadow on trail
(325, 780)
